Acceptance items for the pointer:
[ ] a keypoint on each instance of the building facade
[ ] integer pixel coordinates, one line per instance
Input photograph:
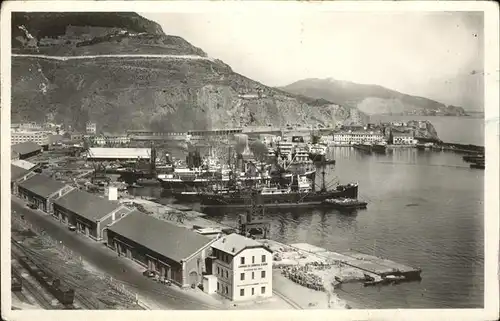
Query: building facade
(403, 139)
(91, 128)
(171, 252)
(103, 140)
(17, 175)
(22, 136)
(89, 213)
(357, 137)
(42, 191)
(243, 268)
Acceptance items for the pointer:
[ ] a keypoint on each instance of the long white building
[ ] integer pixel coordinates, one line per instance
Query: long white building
(103, 153)
(243, 268)
(22, 136)
(357, 137)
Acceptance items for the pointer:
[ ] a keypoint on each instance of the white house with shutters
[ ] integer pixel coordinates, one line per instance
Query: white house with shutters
(243, 268)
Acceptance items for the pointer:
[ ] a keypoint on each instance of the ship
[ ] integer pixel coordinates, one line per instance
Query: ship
(473, 158)
(246, 171)
(379, 147)
(301, 192)
(292, 196)
(345, 203)
(145, 172)
(366, 147)
(317, 152)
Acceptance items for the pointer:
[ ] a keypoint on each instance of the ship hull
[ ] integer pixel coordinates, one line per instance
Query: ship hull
(362, 147)
(293, 199)
(379, 148)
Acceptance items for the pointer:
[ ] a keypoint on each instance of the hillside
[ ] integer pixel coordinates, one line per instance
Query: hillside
(371, 99)
(178, 89)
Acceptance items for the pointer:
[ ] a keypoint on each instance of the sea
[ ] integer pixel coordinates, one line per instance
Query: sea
(425, 209)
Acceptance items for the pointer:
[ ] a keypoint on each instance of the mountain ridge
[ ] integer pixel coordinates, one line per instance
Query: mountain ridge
(370, 98)
(135, 92)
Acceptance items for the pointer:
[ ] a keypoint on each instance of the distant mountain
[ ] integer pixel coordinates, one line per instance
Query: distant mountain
(72, 65)
(371, 99)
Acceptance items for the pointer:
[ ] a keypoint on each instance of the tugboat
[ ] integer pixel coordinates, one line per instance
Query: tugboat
(345, 203)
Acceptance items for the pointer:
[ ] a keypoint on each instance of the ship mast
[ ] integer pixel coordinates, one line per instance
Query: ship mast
(323, 184)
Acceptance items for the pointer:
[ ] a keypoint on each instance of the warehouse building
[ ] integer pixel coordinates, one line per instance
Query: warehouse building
(243, 268)
(26, 150)
(42, 190)
(173, 252)
(89, 213)
(115, 154)
(18, 174)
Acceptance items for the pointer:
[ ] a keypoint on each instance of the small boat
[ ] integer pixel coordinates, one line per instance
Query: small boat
(478, 165)
(389, 279)
(345, 203)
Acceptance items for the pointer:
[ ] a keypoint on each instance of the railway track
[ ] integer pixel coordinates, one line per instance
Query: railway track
(288, 300)
(81, 301)
(32, 288)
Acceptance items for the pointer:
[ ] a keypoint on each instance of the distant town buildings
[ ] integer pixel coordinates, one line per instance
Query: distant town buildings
(406, 138)
(91, 128)
(109, 139)
(21, 136)
(243, 268)
(357, 136)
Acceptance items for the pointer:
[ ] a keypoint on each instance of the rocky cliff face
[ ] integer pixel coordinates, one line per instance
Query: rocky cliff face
(177, 89)
(371, 99)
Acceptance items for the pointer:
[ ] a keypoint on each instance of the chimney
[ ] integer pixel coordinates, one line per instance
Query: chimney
(113, 216)
(224, 240)
(234, 249)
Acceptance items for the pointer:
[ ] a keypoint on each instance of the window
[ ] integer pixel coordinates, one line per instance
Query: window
(218, 271)
(227, 274)
(253, 259)
(253, 291)
(242, 276)
(263, 274)
(218, 286)
(263, 259)
(253, 275)
(263, 290)
(227, 291)
(242, 260)
(242, 292)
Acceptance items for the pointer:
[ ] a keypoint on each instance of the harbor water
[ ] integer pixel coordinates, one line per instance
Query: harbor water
(425, 209)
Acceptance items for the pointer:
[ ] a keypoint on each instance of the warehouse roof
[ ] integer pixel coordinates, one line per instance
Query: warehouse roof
(23, 163)
(41, 185)
(171, 241)
(103, 152)
(235, 243)
(25, 148)
(87, 205)
(17, 172)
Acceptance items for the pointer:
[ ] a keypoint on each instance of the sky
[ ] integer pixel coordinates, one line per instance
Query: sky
(438, 55)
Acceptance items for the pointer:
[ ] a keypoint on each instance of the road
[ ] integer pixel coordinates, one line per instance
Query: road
(65, 58)
(107, 261)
